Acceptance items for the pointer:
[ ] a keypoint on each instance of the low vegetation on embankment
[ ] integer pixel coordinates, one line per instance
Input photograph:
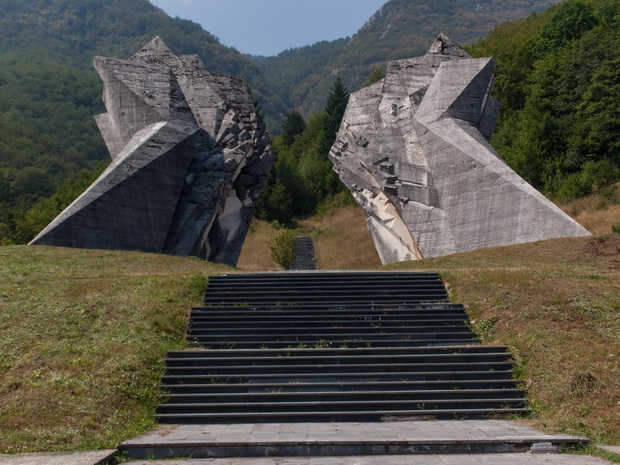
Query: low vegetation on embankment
(83, 333)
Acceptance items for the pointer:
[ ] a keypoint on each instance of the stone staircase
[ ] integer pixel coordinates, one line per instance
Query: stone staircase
(334, 347)
(304, 254)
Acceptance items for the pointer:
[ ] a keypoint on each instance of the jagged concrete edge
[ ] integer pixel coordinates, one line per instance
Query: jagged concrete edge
(111, 177)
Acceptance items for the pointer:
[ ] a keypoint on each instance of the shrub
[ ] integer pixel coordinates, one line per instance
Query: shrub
(283, 249)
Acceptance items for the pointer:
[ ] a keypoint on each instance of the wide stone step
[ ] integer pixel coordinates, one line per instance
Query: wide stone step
(240, 370)
(339, 323)
(301, 319)
(332, 337)
(287, 287)
(324, 299)
(336, 394)
(371, 415)
(317, 330)
(358, 311)
(323, 276)
(396, 351)
(342, 307)
(380, 386)
(335, 359)
(339, 377)
(343, 403)
(321, 342)
(388, 441)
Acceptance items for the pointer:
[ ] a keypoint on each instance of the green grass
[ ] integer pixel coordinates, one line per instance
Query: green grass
(83, 335)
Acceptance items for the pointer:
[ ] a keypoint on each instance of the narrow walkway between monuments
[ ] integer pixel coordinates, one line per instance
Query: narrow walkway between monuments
(337, 364)
(304, 254)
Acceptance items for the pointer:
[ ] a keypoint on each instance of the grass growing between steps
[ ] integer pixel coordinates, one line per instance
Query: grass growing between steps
(83, 335)
(556, 304)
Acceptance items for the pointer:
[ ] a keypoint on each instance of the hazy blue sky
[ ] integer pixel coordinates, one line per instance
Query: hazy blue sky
(267, 27)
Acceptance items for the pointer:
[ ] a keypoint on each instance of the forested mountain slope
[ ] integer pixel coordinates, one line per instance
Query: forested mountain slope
(558, 80)
(49, 91)
(400, 29)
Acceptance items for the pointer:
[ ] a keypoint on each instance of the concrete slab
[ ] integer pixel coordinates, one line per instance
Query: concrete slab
(100, 457)
(316, 432)
(612, 449)
(341, 439)
(485, 459)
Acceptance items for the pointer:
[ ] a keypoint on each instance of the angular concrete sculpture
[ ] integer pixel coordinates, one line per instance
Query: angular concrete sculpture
(190, 157)
(414, 151)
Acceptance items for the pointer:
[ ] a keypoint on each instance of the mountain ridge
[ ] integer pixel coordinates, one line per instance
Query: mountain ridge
(399, 29)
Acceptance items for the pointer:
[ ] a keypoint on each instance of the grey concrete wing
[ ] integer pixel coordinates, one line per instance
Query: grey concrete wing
(190, 157)
(413, 149)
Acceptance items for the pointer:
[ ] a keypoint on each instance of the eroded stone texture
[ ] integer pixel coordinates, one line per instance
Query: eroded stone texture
(189, 159)
(414, 151)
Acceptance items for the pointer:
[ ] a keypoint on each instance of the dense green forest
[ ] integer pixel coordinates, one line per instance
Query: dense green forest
(400, 29)
(72, 32)
(558, 80)
(302, 180)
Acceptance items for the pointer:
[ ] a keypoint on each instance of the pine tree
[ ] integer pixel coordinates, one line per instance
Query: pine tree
(332, 117)
(293, 126)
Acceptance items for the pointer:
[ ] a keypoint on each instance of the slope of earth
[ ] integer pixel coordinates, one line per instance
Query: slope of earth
(556, 304)
(83, 335)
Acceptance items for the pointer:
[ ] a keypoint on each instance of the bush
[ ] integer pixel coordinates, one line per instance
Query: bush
(283, 249)
(595, 175)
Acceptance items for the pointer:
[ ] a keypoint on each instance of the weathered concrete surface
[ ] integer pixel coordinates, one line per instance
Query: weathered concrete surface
(483, 441)
(189, 154)
(453, 459)
(101, 457)
(413, 149)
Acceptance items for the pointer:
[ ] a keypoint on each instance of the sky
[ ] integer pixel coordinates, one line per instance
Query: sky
(268, 27)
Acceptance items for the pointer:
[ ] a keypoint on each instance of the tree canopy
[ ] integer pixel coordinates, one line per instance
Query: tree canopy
(558, 80)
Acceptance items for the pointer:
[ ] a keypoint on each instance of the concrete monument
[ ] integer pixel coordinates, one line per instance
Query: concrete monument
(414, 151)
(190, 157)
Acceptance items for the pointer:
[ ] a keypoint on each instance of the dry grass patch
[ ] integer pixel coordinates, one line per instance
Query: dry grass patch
(598, 213)
(557, 305)
(83, 335)
(341, 240)
(599, 220)
(255, 254)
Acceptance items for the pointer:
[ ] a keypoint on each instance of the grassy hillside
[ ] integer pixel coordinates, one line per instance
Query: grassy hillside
(82, 339)
(83, 333)
(557, 305)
